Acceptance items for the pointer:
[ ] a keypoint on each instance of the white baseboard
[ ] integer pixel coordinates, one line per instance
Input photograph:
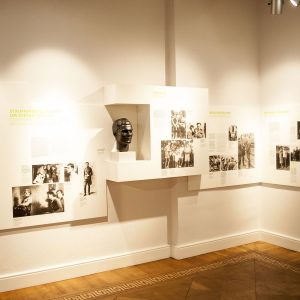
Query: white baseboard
(280, 240)
(206, 246)
(82, 268)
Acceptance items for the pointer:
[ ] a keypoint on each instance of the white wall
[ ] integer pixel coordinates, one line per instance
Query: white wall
(216, 47)
(71, 50)
(280, 73)
(73, 46)
(66, 49)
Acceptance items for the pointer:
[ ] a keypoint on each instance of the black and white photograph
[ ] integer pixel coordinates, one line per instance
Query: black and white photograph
(196, 131)
(177, 154)
(178, 124)
(298, 130)
(246, 151)
(295, 153)
(47, 173)
(70, 172)
(88, 179)
(222, 163)
(283, 157)
(229, 163)
(214, 163)
(38, 199)
(232, 133)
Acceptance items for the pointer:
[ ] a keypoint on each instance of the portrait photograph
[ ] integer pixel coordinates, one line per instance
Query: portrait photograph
(70, 172)
(38, 199)
(177, 154)
(232, 133)
(88, 179)
(246, 151)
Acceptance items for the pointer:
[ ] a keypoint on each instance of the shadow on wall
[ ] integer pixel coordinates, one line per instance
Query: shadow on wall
(138, 199)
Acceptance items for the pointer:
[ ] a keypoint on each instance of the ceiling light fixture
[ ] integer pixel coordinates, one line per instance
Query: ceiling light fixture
(276, 6)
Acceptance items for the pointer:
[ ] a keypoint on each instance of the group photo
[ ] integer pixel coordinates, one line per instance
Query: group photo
(295, 153)
(177, 154)
(47, 173)
(196, 131)
(178, 124)
(222, 163)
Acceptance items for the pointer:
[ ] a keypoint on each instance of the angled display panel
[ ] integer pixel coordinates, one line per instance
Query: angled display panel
(281, 155)
(233, 148)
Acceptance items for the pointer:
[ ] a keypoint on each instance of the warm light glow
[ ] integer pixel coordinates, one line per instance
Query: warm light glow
(53, 98)
(54, 74)
(295, 2)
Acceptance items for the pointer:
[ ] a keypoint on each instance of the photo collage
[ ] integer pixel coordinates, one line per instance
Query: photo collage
(46, 193)
(178, 152)
(245, 158)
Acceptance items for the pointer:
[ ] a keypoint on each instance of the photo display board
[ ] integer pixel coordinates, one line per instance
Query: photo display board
(51, 163)
(233, 148)
(281, 151)
(169, 131)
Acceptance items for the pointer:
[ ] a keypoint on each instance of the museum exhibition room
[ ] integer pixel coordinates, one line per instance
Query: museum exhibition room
(150, 149)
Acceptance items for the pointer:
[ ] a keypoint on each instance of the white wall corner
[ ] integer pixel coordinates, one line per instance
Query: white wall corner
(57, 273)
(206, 246)
(280, 240)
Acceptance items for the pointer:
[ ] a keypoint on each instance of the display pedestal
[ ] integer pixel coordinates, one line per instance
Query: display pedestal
(123, 156)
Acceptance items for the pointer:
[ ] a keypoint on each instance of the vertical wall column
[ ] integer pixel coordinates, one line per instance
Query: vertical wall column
(170, 52)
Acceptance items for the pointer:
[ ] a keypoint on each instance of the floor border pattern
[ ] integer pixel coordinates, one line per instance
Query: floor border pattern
(150, 281)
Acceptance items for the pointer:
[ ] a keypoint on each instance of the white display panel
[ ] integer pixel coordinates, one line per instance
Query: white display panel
(233, 148)
(161, 118)
(45, 148)
(281, 155)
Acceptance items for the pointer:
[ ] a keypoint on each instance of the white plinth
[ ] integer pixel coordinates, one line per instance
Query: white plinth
(123, 156)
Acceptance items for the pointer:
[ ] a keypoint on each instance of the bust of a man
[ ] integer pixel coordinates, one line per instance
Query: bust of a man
(122, 130)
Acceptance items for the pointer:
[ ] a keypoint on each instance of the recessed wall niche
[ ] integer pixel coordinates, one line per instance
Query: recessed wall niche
(139, 116)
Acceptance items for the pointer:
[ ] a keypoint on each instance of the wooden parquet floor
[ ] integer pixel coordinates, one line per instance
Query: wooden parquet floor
(254, 271)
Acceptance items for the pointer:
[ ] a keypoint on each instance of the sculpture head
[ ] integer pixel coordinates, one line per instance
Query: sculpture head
(122, 130)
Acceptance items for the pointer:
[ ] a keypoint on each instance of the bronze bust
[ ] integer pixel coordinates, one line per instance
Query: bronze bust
(122, 131)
